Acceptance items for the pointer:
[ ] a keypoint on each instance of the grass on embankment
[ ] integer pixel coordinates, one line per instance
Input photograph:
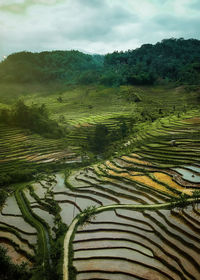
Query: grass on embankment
(43, 253)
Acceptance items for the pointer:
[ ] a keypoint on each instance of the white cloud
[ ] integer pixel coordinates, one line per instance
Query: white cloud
(98, 26)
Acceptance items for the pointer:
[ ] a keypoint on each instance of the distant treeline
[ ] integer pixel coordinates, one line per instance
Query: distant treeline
(170, 61)
(67, 66)
(34, 118)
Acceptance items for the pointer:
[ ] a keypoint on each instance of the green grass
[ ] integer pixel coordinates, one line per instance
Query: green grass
(83, 105)
(94, 104)
(42, 251)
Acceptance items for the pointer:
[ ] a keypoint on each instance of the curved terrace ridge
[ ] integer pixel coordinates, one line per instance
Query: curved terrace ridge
(76, 221)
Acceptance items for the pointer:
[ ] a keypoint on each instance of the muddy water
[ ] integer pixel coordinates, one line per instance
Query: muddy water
(68, 212)
(48, 218)
(104, 275)
(18, 223)
(39, 190)
(11, 207)
(29, 197)
(115, 252)
(188, 175)
(119, 266)
(60, 185)
(193, 168)
(112, 244)
(74, 182)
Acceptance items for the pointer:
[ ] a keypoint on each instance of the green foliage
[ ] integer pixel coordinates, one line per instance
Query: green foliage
(88, 77)
(172, 60)
(196, 194)
(42, 259)
(64, 66)
(72, 272)
(3, 196)
(103, 140)
(60, 99)
(192, 88)
(131, 96)
(56, 252)
(9, 270)
(87, 214)
(52, 206)
(99, 140)
(123, 129)
(181, 201)
(18, 175)
(142, 78)
(111, 78)
(32, 117)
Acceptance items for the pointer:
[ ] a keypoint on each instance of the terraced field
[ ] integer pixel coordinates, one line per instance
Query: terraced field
(81, 109)
(135, 216)
(19, 148)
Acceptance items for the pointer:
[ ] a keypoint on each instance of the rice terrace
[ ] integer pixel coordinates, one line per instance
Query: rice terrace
(100, 164)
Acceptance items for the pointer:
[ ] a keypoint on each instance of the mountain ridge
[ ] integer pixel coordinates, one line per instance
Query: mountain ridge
(169, 61)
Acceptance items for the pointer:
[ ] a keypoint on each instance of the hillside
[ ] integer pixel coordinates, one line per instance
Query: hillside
(68, 123)
(65, 94)
(100, 164)
(41, 67)
(172, 60)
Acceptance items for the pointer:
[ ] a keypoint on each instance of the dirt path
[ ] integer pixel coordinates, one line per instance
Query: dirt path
(66, 248)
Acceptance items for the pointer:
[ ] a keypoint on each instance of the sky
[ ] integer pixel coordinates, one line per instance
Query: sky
(94, 26)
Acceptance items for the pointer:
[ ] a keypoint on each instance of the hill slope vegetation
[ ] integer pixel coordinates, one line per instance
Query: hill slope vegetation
(172, 60)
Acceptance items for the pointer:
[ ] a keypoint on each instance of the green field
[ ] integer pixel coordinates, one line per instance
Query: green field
(79, 110)
(92, 103)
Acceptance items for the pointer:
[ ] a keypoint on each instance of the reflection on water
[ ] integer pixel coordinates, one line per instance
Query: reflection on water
(188, 175)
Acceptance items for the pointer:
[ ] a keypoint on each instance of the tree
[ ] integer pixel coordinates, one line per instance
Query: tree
(100, 139)
(59, 99)
(3, 196)
(123, 129)
(32, 117)
(5, 116)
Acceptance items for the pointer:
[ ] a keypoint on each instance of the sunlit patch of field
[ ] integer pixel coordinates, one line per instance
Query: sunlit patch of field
(152, 184)
(194, 120)
(135, 160)
(113, 167)
(123, 174)
(166, 179)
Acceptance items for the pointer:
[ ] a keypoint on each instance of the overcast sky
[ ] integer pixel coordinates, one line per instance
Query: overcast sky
(94, 26)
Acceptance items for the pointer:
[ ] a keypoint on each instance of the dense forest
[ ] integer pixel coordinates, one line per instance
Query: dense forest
(170, 61)
(65, 66)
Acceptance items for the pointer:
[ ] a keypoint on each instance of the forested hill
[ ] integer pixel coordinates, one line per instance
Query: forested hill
(175, 60)
(172, 60)
(47, 66)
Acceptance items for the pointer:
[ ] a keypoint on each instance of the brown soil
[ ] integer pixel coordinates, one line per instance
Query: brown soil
(15, 256)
